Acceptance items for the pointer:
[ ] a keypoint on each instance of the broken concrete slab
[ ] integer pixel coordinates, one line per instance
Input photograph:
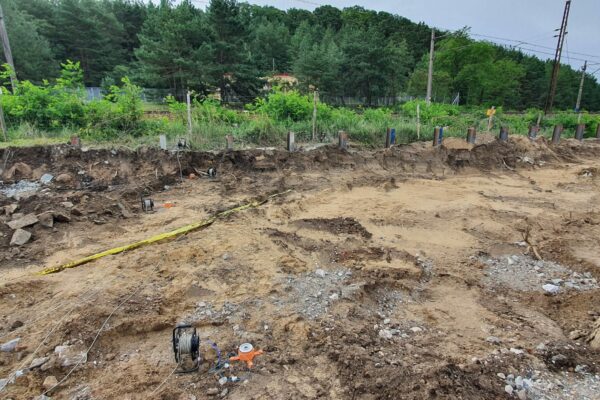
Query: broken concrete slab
(20, 237)
(10, 209)
(27, 220)
(70, 355)
(61, 217)
(46, 219)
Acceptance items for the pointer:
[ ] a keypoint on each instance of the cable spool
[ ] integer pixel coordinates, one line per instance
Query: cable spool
(186, 347)
(182, 144)
(212, 172)
(147, 205)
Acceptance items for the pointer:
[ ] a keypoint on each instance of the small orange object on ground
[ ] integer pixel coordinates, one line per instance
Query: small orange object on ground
(246, 353)
(169, 204)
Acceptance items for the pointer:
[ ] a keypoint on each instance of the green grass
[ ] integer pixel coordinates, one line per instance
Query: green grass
(213, 122)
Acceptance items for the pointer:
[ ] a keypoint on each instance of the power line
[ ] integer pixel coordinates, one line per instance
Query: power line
(530, 44)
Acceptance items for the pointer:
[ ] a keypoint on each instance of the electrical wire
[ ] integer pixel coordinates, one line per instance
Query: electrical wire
(155, 391)
(30, 356)
(95, 339)
(529, 44)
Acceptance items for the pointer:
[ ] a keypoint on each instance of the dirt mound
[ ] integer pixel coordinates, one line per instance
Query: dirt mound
(344, 225)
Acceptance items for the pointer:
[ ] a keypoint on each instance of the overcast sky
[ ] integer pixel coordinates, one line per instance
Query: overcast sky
(532, 21)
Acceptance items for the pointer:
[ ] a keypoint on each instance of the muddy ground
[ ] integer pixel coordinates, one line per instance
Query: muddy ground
(410, 273)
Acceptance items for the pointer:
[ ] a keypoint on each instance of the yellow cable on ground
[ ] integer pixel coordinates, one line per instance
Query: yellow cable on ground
(157, 238)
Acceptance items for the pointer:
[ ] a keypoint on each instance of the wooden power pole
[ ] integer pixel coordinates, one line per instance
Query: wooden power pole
(559, 46)
(7, 51)
(430, 72)
(578, 104)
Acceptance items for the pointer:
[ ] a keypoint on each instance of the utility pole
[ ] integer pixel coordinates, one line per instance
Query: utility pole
(430, 73)
(578, 104)
(2, 121)
(7, 51)
(557, 56)
(314, 117)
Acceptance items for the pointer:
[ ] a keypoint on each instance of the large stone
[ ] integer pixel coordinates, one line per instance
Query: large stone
(50, 382)
(46, 219)
(10, 209)
(64, 178)
(61, 217)
(70, 355)
(38, 362)
(20, 237)
(594, 337)
(551, 289)
(18, 171)
(10, 345)
(27, 220)
(46, 178)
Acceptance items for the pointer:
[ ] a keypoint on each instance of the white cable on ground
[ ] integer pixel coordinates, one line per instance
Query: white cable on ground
(155, 391)
(30, 357)
(94, 341)
(59, 305)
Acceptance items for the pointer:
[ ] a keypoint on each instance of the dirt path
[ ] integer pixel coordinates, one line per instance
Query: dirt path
(380, 276)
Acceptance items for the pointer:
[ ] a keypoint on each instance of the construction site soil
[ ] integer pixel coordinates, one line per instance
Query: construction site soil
(415, 272)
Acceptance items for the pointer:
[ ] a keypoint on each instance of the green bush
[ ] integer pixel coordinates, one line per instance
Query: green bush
(289, 106)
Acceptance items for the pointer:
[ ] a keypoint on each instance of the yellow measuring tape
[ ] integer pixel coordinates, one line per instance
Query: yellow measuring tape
(158, 238)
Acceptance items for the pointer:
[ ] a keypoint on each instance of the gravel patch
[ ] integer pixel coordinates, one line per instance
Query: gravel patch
(311, 294)
(525, 274)
(18, 188)
(544, 385)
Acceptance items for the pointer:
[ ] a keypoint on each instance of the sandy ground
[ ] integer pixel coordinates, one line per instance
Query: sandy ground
(365, 282)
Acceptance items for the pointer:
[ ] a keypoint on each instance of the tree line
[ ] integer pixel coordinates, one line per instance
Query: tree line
(230, 47)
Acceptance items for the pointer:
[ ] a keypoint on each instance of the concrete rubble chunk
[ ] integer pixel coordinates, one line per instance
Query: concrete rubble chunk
(493, 339)
(10, 345)
(46, 179)
(551, 289)
(20, 237)
(385, 334)
(27, 220)
(594, 337)
(70, 355)
(61, 217)
(576, 334)
(10, 209)
(38, 362)
(46, 219)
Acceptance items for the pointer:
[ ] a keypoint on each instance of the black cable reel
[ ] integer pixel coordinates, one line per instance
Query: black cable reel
(147, 204)
(186, 347)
